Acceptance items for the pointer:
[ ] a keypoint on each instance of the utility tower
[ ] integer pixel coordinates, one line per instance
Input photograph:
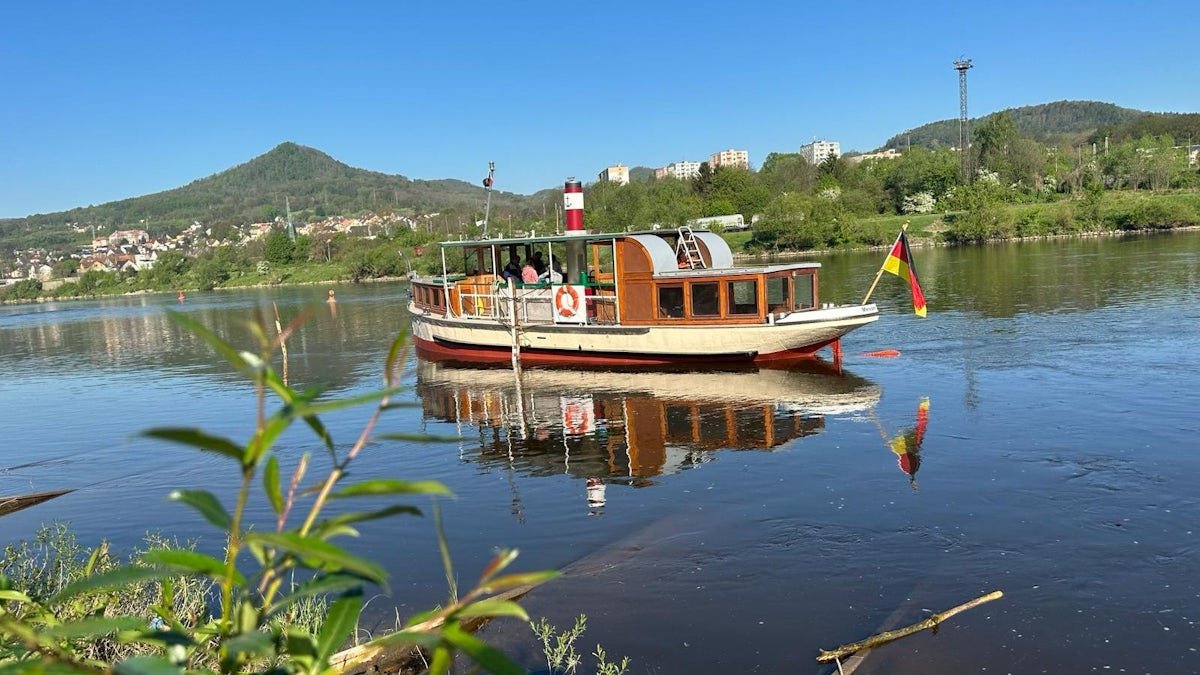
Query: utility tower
(964, 123)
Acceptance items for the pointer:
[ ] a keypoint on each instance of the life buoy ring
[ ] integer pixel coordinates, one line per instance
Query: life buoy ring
(566, 302)
(575, 419)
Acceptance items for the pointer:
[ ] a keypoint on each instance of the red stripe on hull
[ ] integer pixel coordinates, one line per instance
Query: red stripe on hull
(497, 355)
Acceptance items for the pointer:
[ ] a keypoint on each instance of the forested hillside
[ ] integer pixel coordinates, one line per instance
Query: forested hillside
(315, 183)
(1184, 128)
(1064, 122)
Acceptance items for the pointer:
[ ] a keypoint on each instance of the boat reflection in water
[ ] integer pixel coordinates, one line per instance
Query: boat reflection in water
(631, 427)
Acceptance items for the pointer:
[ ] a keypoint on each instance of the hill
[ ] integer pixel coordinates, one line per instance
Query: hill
(314, 183)
(1183, 127)
(1066, 122)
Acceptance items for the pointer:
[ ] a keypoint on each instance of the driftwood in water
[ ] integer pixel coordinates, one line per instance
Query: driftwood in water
(373, 659)
(18, 502)
(886, 637)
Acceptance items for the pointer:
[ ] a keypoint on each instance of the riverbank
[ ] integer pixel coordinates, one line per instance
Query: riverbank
(1090, 215)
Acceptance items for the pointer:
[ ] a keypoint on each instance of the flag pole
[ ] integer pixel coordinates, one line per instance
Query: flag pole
(879, 274)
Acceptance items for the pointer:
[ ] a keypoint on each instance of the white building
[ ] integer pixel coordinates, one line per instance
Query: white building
(889, 153)
(818, 151)
(683, 170)
(731, 157)
(615, 174)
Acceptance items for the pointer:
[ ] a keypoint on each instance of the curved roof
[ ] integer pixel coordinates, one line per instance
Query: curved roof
(718, 249)
(662, 256)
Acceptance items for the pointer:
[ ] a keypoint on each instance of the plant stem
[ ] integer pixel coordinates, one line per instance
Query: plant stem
(231, 551)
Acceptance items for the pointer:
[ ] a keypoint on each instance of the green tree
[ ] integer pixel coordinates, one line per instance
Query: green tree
(985, 216)
(736, 189)
(168, 270)
(794, 221)
(787, 172)
(671, 203)
(65, 268)
(208, 273)
(278, 248)
(919, 170)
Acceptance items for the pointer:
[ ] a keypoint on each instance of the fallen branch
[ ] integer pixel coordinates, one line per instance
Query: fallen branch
(368, 659)
(889, 636)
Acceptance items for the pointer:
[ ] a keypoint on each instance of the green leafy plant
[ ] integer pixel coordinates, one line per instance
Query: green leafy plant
(558, 647)
(246, 630)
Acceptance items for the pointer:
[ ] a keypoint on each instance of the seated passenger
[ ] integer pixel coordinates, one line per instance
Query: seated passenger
(538, 264)
(513, 269)
(554, 275)
(528, 274)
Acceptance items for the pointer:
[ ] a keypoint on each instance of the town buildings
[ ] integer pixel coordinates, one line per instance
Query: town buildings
(818, 151)
(615, 174)
(889, 153)
(682, 170)
(730, 158)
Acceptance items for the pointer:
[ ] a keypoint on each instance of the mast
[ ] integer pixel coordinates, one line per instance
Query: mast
(487, 184)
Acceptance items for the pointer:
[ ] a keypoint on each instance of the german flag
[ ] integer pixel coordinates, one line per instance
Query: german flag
(900, 263)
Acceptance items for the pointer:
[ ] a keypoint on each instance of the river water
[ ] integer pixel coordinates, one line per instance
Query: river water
(1036, 434)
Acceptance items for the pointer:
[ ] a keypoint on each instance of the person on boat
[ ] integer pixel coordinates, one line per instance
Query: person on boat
(513, 269)
(538, 263)
(554, 275)
(529, 275)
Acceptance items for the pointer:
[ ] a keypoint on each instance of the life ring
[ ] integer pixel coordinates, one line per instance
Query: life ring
(575, 419)
(566, 302)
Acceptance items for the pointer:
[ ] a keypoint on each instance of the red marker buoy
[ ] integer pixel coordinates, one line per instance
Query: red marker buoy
(884, 353)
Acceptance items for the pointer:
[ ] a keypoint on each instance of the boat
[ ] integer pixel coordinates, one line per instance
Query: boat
(656, 297)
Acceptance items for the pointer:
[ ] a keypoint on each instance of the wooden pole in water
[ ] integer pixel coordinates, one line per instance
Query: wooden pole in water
(888, 636)
(512, 315)
(282, 342)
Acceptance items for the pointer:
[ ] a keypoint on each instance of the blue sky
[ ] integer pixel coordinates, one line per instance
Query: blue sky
(106, 100)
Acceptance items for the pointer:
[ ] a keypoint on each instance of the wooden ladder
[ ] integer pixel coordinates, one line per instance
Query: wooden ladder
(687, 251)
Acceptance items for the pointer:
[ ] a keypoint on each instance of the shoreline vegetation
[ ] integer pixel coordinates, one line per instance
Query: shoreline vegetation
(1008, 185)
(1097, 213)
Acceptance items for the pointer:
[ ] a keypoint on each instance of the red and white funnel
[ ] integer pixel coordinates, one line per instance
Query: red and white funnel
(573, 205)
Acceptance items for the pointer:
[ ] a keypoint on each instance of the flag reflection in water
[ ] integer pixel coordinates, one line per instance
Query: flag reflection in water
(907, 445)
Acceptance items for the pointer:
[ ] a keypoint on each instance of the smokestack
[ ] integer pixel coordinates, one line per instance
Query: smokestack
(573, 205)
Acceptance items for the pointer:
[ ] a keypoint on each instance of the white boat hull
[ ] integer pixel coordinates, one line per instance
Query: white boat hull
(791, 336)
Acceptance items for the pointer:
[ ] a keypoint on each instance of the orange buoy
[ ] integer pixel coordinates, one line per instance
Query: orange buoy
(884, 353)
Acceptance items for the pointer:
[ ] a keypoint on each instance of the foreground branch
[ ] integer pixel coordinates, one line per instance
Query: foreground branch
(888, 636)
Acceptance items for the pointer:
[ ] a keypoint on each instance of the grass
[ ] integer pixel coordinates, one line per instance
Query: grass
(918, 223)
(54, 558)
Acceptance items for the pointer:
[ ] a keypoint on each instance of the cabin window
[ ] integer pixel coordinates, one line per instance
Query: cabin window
(803, 285)
(743, 297)
(706, 300)
(778, 295)
(678, 421)
(670, 302)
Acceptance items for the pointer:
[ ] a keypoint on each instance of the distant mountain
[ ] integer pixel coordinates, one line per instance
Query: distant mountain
(314, 183)
(1064, 122)
(641, 174)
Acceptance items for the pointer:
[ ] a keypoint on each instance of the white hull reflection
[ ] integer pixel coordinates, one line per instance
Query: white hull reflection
(633, 425)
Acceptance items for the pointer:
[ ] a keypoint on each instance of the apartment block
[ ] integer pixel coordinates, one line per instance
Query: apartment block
(730, 158)
(615, 174)
(818, 151)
